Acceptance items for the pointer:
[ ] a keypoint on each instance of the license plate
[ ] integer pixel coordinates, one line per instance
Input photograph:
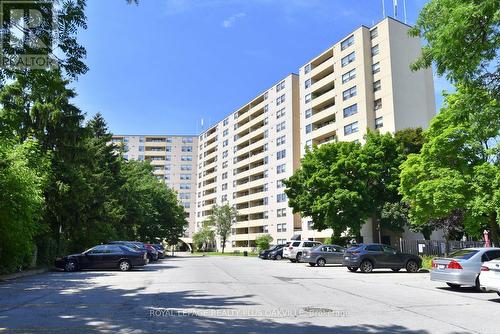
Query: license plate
(441, 266)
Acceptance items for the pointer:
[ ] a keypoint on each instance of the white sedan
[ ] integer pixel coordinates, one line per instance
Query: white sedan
(490, 276)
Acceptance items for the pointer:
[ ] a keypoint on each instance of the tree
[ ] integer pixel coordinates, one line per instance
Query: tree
(23, 176)
(222, 218)
(263, 241)
(458, 166)
(204, 237)
(462, 41)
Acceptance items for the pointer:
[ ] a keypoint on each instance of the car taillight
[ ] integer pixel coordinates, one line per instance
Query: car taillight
(434, 264)
(484, 268)
(454, 265)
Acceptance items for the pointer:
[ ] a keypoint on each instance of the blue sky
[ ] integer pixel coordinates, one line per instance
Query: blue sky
(163, 65)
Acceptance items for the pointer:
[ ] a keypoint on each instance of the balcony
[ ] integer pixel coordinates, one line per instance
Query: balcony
(319, 115)
(319, 84)
(325, 98)
(247, 236)
(256, 104)
(251, 171)
(252, 121)
(255, 127)
(323, 64)
(326, 130)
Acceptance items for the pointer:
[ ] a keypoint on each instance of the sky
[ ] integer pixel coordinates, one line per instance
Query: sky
(161, 66)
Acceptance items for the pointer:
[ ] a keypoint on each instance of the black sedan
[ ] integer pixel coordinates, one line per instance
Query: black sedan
(367, 257)
(103, 257)
(265, 253)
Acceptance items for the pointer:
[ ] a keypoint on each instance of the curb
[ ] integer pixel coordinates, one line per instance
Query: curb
(21, 274)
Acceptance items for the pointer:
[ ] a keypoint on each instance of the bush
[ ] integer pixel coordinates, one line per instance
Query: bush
(263, 242)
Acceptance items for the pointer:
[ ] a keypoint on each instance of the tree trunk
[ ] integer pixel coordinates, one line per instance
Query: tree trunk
(494, 229)
(223, 244)
(376, 224)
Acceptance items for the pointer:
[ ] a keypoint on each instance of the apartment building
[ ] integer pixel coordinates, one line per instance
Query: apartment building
(243, 160)
(363, 82)
(174, 161)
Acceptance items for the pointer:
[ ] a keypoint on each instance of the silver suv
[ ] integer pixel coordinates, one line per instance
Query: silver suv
(296, 248)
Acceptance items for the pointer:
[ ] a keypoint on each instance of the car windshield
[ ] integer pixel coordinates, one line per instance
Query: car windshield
(463, 254)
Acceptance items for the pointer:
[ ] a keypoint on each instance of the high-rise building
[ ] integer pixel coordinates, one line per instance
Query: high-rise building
(174, 162)
(362, 82)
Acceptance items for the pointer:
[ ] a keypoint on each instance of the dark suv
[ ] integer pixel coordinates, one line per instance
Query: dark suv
(367, 257)
(265, 253)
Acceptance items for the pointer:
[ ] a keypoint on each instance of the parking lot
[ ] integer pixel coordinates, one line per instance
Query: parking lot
(244, 295)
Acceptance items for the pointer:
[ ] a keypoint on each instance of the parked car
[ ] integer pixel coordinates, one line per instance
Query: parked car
(296, 249)
(152, 253)
(265, 253)
(160, 249)
(462, 267)
(490, 276)
(104, 257)
(367, 257)
(323, 254)
(277, 254)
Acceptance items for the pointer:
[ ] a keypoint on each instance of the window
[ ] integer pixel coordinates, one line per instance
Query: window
(185, 186)
(379, 122)
(185, 176)
(308, 128)
(168, 167)
(280, 100)
(280, 86)
(280, 183)
(374, 248)
(186, 167)
(307, 68)
(225, 143)
(280, 140)
(141, 148)
(375, 50)
(281, 126)
(280, 113)
(281, 197)
(140, 157)
(348, 59)
(281, 212)
(307, 83)
(347, 42)
(266, 95)
(187, 140)
(225, 154)
(348, 76)
(168, 158)
(186, 158)
(280, 169)
(351, 128)
(308, 113)
(224, 175)
(347, 94)
(224, 164)
(308, 98)
(309, 144)
(280, 154)
(310, 225)
(184, 195)
(223, 198)
(225, 122)
(351, 110)
(376, 86)
(224, 186)
(377, 104)
(186, 205)
(373, 33)
(225, 132)
(187, 149)
(376, 68)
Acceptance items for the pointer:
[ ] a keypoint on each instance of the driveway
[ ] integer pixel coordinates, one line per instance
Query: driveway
(241, 295)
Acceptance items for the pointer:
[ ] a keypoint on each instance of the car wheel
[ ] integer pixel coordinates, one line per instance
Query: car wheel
(477, 286)
(412, 266)
(352, 269)
(70, 266)
(150, 257)
(453, 286)
(312, 264)
(395, 269)
(293, 260)
(321, 262)
(298, 257)
(366, 266)
(277, 257)
(124, 265)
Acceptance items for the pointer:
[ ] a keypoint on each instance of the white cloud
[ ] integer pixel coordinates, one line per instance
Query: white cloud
(229, 22)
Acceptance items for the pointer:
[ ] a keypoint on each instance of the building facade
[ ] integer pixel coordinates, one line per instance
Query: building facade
(362, 82)
(174, 162)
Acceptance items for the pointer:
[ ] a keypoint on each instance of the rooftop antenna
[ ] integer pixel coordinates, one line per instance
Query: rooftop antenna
(395, 6)
(404, 11)
(383, 9)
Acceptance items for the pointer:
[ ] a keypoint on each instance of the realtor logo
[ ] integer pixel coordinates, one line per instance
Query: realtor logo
(28, 30)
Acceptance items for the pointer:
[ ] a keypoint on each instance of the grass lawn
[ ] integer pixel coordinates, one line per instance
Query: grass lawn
(223, 254)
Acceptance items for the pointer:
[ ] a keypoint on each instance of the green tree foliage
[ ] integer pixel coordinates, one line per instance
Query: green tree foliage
(458, 167)
(204, 238)
(462, 41)
(340, 185)
(222, 218)
(23, 174)
(263, 242)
